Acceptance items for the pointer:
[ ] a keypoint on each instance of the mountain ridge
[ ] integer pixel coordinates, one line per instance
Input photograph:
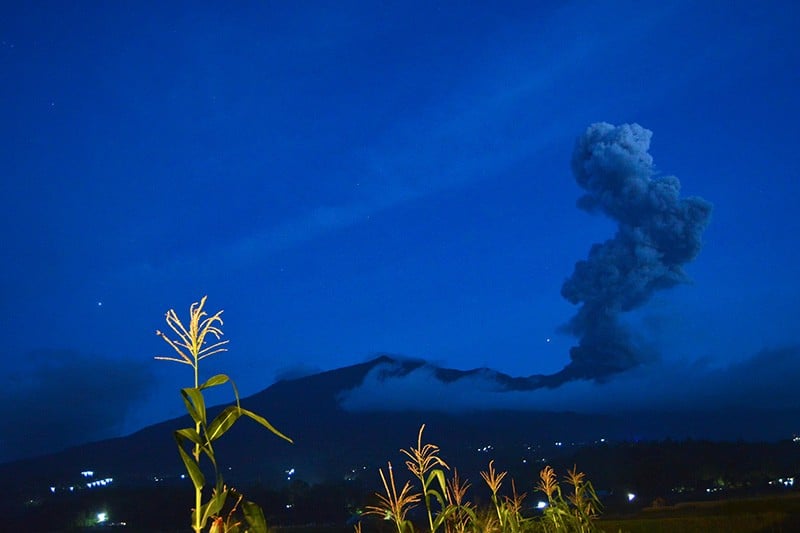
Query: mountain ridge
(331, 442)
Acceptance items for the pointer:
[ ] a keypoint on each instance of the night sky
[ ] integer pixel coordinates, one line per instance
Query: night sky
(354, 178)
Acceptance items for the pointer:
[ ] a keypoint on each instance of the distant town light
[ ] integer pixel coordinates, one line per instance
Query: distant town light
(53, 490)
(102, 517)
(541, 504)
(631, 496)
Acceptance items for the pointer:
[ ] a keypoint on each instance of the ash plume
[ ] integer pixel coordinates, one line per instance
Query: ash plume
(658, 232)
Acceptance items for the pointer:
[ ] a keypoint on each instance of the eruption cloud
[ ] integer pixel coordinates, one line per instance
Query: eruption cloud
(658, 232)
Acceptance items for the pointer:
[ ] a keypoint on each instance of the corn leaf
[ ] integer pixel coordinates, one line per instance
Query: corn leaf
(191, 466)
(191, 435)
(223, 422)
(255, 517)
(263, 421)
(213, 381)
(214, 505)
(195, 404)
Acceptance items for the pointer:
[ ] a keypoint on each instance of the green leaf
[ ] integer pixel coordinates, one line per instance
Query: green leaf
(438, 497)
(214, 505)
(213, 381)
(191, 466)
(223, 422)
(255, 517)
(191, 435)
(470, 513)
(195, 404)
(235, 392)
(406, 525)
(443, 516)
(263, 421)
(437, 474)
(190, 408)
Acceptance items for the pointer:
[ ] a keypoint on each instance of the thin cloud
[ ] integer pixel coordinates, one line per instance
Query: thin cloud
(296, 371)
(492, 119)
(768, 378)
(66, 398)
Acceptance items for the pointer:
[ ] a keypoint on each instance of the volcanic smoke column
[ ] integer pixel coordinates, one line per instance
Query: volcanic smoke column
(658, 232)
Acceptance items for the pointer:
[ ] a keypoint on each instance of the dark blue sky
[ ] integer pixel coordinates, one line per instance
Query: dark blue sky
(368, 177)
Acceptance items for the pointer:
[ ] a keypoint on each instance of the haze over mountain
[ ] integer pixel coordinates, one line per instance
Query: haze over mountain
(359, 416)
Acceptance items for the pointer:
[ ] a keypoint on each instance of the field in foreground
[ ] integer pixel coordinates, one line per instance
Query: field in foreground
(775, 514)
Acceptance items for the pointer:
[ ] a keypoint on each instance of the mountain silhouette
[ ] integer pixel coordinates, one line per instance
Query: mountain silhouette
(332, 443)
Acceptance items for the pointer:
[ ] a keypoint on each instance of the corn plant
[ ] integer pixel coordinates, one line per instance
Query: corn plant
(577, 512)
(584, 500)
(395, 505)
(461, 513)
(197, 442)
(423, 462)
(515, 522)
(574, 513)
(495, 480)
